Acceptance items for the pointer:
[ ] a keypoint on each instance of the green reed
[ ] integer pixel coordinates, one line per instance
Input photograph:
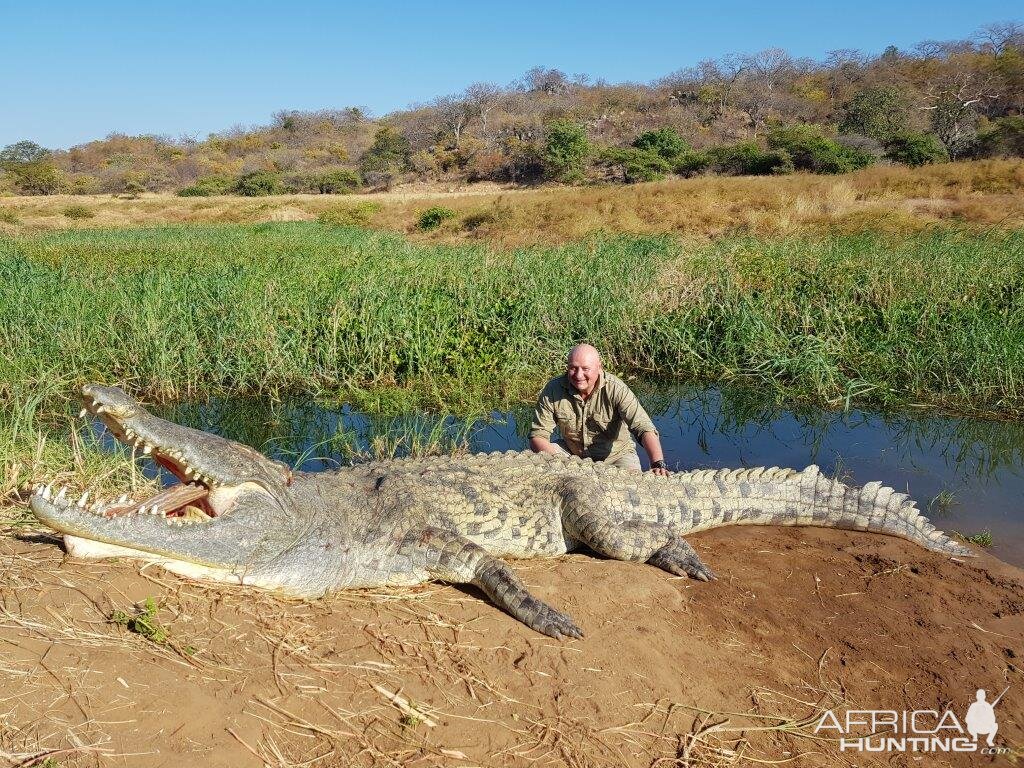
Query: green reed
(191, 311)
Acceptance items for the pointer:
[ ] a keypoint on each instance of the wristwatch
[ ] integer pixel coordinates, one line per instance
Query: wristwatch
(659, 464)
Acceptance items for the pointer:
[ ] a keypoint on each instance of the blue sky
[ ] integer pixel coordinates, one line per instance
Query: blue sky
(78, 71)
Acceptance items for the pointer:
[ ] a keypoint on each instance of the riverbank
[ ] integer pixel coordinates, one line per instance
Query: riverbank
(670, 671)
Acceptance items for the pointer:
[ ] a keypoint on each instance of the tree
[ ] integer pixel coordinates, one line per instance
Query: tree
(954, 101)
(565, 149)
(22, 152)
(878, 112)
(812, 151)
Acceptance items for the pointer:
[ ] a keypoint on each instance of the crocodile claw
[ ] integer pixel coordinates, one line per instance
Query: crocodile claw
(540, 616)
(680, 558)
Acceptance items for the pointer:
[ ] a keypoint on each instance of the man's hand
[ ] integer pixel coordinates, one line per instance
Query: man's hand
(658, 468)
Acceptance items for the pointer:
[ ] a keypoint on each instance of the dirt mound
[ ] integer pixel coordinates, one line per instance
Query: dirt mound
(671, 672)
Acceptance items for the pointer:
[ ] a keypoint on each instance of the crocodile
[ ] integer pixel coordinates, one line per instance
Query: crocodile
(238, 516)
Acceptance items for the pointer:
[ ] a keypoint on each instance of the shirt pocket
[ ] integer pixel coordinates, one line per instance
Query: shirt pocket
(598, 425)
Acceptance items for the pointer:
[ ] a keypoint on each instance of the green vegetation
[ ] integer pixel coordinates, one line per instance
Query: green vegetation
(982, 539)
(339, 311)
(144, 622)
(811, 150)
(258, 184)
(78, 212)
(915, 149)
(565, 148)
(434, 217)
(208, 186)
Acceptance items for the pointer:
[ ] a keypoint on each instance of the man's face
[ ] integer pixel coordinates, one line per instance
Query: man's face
(583, 371)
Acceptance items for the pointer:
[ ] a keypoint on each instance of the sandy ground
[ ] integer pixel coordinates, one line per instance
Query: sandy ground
(671, 672)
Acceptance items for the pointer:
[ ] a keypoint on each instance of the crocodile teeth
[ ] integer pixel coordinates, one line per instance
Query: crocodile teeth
(62, 494)
(47, 492)
(83, 413)
(123, 498)
(147, 449)
(81, 501)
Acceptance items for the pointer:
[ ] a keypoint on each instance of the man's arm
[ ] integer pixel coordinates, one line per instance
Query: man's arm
(543, 425)
(640, 425)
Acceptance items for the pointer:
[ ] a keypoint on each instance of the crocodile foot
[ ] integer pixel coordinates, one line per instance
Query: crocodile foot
(539, 616)
(680, 558)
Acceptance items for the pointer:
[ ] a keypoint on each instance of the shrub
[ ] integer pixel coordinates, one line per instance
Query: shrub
(339, 181)
(565, 149)
(634, 165)
(692, 163)
(664, 142)
(78, 212)
(812, 151)
(357, 215)
(434, 217)
(748, 159)
(258, 184)
(916, 149)
(208, 186)
(1003, 138)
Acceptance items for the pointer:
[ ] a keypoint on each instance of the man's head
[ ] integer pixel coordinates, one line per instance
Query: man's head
(583, 367)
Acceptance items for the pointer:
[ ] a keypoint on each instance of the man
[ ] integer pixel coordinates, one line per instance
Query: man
(596, 414)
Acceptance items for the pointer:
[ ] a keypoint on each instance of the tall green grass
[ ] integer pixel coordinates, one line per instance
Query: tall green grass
(176, 312)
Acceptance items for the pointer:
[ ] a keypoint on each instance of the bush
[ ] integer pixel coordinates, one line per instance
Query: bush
(36, 178)
(812, 151)
(258, 184)
(748, 159)
(1003, 138)
(78, 212)
(565, 149)
(692, 163)
(635, 165)
(664, 142)
(916, 149)
(208, 186)
(357, 215)
(339, 181)
(434, 217)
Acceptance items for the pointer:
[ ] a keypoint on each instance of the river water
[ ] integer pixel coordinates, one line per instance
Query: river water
(966, 474)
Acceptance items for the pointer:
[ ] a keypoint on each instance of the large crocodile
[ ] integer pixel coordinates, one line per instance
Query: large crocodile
(239, 516)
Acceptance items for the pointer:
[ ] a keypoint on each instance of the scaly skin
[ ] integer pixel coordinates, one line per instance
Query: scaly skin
(408, 521)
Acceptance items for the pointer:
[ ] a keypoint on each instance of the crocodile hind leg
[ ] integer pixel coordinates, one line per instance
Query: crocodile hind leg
(636, 540)
(454, 558)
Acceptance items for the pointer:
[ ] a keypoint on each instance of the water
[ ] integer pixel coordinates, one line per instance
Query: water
(966, 474)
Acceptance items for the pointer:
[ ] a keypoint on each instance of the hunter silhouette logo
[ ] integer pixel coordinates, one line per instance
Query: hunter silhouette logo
(919, 730)
(981, 716)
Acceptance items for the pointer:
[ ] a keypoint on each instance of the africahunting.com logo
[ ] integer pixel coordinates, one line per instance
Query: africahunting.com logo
(919, 730)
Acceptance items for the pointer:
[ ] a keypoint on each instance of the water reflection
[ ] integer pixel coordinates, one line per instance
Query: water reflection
(978, 464)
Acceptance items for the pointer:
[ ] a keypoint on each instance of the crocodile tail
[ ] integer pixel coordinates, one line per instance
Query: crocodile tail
(776, 496)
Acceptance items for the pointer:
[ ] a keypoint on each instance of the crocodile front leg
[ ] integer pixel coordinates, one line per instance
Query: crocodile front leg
(454, 558)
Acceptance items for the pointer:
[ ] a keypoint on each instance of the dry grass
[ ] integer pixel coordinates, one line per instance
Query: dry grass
(886, 198)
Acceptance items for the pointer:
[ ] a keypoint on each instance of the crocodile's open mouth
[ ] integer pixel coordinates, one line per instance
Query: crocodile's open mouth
(186, 502)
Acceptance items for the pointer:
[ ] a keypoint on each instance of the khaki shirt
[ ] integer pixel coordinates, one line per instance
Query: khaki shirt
(598, 427)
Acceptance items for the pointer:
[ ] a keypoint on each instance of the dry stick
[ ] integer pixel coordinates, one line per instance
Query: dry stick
(242, 741)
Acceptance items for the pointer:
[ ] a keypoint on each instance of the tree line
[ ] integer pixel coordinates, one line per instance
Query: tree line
(760, 113)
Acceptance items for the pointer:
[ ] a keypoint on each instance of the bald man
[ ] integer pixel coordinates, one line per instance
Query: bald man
(596, 414)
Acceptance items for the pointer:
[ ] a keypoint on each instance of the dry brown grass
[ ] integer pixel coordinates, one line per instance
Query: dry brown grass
(897, 199)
